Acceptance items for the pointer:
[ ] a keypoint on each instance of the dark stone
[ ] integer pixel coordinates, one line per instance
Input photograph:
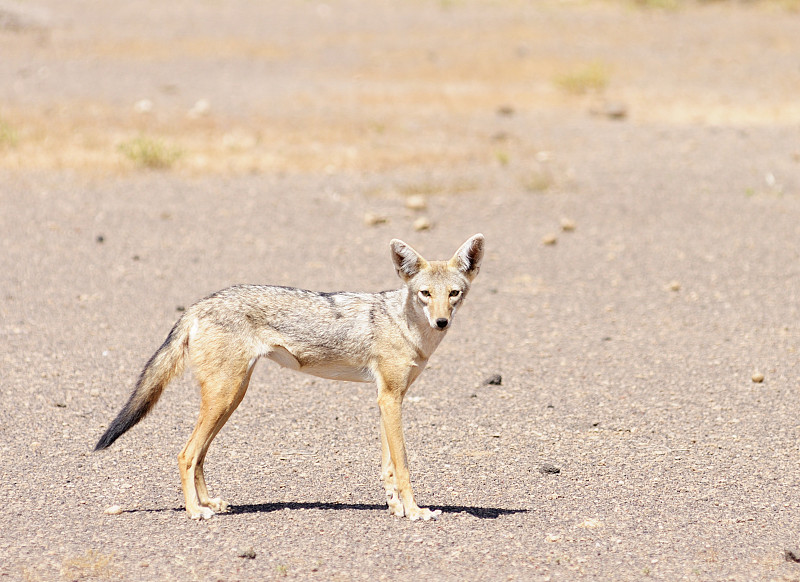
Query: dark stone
(494, 380)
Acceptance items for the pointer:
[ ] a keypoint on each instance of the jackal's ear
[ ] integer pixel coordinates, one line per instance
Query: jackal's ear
(407, 261)
(468, 258)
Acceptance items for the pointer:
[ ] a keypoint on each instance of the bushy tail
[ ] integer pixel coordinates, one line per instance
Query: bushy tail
(167, 363)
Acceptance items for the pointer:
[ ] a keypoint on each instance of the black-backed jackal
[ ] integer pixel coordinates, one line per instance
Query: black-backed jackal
(362, 337)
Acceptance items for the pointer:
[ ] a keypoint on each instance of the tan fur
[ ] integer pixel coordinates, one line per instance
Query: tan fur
(383, 337)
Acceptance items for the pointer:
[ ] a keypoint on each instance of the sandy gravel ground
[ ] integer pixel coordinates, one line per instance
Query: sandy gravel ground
(151, 153)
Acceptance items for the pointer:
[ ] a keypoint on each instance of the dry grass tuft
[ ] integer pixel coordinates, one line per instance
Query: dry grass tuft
(152, 153)
(591, 78)
(8, 135)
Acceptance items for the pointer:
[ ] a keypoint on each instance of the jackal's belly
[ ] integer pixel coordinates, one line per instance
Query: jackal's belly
(331, 369)
(339, 372)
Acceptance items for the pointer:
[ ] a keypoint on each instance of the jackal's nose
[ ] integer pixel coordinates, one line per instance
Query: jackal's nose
(442, 322)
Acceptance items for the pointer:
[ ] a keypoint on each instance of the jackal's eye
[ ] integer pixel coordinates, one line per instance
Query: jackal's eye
(455, 293)
(425, 293)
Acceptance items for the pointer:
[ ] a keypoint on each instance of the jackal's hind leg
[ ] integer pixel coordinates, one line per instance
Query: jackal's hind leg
(221, 395)
(192, 480)
(217, 504)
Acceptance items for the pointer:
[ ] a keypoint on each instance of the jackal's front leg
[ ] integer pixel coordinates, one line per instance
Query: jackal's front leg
(388, 476)
(394, 470)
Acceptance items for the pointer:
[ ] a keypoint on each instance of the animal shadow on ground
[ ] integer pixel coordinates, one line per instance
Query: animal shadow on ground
(479, 512)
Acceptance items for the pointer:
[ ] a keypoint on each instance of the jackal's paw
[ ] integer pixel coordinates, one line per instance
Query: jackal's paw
(396, 509)
(424, 514)
(394, 503)
(413, 512)
(201, 513)
(218, 505)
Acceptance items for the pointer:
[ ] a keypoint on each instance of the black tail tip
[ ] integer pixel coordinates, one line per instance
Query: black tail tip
(105, 441)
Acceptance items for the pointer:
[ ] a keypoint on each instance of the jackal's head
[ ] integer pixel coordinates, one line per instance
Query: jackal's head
(437, 288)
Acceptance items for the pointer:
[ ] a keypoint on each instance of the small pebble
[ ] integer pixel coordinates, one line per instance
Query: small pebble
(416, 202)
(758, 377)
(615, 111)
(674, 286)
(549, 469)
(549, 239)
(113, 510)
(568, 225)
(372, 219)
(422, 223)
(791, 556)
(199, 109)
(494, 380)
(248, 553)
(143, 106)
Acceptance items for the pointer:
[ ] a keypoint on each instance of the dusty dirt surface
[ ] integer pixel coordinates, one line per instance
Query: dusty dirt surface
(152, 153)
